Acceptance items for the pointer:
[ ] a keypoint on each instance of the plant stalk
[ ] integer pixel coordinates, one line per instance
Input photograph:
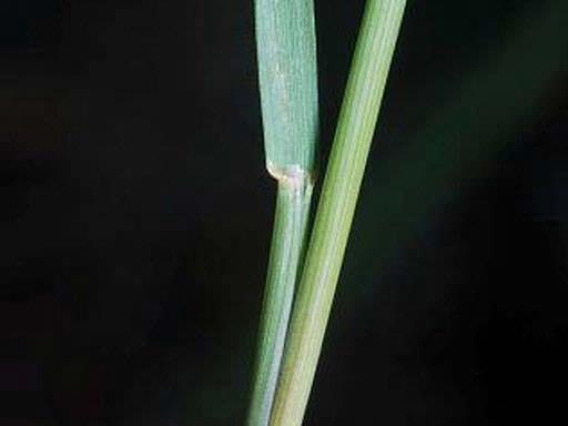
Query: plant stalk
(357, 120)
(291, 216)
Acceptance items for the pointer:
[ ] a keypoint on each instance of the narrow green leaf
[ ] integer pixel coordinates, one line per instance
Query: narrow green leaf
(358, 116)
(286, 49)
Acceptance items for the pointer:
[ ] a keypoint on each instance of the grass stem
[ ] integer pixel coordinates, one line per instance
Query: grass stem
(357, 120)
(292, 210)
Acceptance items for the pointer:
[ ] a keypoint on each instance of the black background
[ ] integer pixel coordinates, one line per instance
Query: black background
(136, 215)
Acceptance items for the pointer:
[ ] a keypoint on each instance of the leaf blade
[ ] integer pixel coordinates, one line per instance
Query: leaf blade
(286, 55)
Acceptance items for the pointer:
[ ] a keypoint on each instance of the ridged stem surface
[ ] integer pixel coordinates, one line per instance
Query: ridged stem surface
(354, 133)
(292, 210)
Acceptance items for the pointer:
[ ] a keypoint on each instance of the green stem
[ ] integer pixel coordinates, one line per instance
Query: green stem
(292, 209)
(357, 120)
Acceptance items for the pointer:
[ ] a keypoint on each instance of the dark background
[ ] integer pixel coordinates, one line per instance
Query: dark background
(136, 215)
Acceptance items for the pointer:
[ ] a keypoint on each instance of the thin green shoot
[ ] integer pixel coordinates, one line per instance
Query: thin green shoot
(324, 257)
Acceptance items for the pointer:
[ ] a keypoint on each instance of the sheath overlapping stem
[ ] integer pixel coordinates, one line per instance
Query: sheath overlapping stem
(324, 257)
(286, 54)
